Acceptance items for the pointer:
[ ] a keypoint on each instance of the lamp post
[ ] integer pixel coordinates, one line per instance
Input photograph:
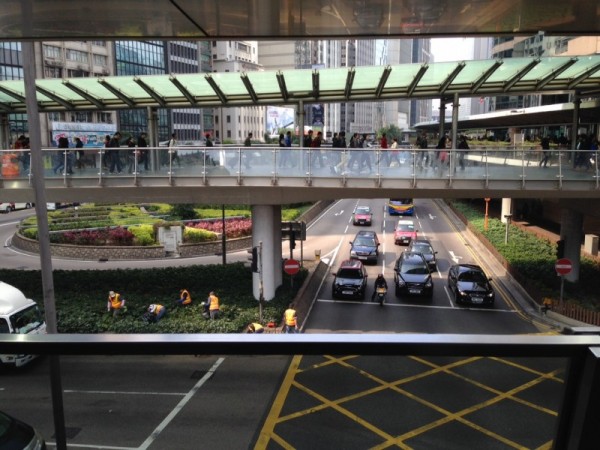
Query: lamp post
(487, 206)
(507, 217)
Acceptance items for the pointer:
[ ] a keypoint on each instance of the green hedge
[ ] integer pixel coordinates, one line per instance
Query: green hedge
(534, 258)
(81, 298)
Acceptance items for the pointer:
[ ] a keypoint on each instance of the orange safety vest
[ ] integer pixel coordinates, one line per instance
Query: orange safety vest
(290, 317)
(157, 309)
(186, 296)
(115, 302)
(214, 303)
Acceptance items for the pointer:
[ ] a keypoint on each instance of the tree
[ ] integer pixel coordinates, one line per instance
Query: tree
(391, 132)
(185, 211)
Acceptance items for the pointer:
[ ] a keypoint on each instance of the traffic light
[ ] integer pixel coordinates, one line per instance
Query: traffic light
(292, 240)
(254, 263)
(560, 249)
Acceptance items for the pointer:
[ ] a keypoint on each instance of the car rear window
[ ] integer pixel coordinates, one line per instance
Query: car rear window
(421, 248)
(405, 227)
(417, 268)
(349, 273)
(476, 277)
(366, 242)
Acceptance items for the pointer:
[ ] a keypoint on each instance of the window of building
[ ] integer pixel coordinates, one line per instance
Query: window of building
(216, 120)
(228, 119)
(51, 51)
(100, 60)
(77, 73)
(56, 117)
(53, 72)
(104, 117)
(229, 134)
(77, 56)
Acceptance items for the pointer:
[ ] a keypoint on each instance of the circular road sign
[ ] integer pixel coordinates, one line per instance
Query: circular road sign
(291, 266)
(563, 266)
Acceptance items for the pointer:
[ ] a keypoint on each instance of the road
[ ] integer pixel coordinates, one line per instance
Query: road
(186, 402)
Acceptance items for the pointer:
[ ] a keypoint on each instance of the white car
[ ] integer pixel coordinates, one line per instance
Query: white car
(8, 207)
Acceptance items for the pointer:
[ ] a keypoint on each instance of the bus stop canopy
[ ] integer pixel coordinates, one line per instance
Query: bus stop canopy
(513, 76)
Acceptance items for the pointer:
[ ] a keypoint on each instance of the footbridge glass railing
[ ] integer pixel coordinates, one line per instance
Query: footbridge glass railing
(522, 165)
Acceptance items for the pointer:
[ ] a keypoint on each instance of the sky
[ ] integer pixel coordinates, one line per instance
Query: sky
(452, 49)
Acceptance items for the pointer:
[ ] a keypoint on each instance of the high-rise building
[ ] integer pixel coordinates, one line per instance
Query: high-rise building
(162, 57)
(234, 124)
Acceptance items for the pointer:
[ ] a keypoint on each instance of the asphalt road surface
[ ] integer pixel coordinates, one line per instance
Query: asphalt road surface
(325, 402)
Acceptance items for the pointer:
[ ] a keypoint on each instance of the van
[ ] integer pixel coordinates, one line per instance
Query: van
(8, 207)
(18, 315)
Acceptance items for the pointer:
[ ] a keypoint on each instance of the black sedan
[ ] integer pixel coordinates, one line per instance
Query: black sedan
(423, 246)
(470, 284)
(18, 435)
(412, 275)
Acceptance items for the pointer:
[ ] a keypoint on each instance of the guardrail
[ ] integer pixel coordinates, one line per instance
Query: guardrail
(276, 163)
(580, 403)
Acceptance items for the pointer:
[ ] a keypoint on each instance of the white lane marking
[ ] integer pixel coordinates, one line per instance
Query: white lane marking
(75, 391)
(339, 213)
(154, 435)
(454, 257)
(431, 216)
(323, 214)
(9, 223)
(404, 305)
(100, 447)
(447, 291)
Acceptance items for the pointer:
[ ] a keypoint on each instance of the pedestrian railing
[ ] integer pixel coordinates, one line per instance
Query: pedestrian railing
(275, 164)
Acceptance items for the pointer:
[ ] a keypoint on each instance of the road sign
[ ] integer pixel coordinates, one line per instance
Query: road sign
(563, 266)
(291, 266)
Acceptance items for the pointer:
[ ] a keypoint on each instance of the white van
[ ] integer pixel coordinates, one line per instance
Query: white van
(8, 207)
(18, 315)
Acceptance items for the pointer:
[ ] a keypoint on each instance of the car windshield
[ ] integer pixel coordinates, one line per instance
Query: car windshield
(410, 268)
(362, 211)
(472, 276)
(422, 248)
(405, 227)
(365, 242)
(401, 201)
(25, 321)
(349, 273)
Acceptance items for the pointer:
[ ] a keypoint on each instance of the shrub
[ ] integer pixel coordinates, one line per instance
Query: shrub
(143, 234)
(196, 235)
(30, 233)
(234, 228)
(120, 236)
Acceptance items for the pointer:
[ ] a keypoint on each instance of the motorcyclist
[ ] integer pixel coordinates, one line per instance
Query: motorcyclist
(379, 282)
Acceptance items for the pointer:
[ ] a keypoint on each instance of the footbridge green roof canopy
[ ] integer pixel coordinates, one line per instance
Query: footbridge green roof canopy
(512, 76)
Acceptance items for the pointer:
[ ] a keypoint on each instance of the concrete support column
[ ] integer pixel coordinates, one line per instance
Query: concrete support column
(153, 136)
(575, 126)
(264, 230)
(442, 117)
(571, 232)
(4, 131)
(455, 107)
(277, 254)
(506, 209)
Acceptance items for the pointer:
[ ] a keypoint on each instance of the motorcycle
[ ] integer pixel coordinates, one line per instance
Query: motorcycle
(380, 293)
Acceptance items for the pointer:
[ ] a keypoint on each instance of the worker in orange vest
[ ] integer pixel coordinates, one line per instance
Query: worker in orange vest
(213, 305)
(291, 320)
(184, 298)
(115, 303)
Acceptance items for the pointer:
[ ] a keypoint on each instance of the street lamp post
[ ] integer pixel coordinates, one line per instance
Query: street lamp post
(487, 206)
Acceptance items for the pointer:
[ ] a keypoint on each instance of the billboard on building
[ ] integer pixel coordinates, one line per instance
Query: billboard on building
(279, 117)
(91, 134)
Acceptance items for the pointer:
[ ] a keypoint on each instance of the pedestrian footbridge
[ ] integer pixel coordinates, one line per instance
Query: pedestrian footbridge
(275, 175)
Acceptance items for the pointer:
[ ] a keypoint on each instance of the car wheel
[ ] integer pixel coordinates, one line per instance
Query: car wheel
(28, 205)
